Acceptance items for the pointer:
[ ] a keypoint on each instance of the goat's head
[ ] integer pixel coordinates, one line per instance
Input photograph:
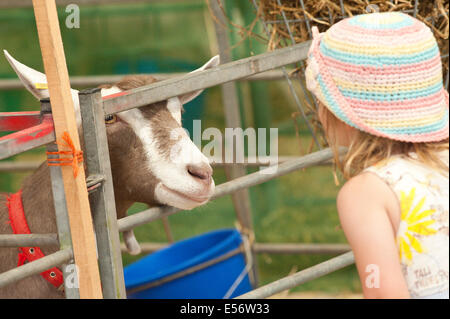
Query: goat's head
(153, 160)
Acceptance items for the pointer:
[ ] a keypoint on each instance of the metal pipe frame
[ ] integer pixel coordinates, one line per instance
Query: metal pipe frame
(231, 108)
(95, 80)
(29, 240)
(102, 200)
(62, 218)
(28, 138)
(11, 166)
(28, 3)
(268, 248)
(301, 277)
(43, 133)
(221, 74)
(16, 121)
(35, 267)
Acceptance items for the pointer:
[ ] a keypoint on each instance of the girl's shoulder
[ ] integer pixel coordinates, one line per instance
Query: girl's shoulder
(363, 191)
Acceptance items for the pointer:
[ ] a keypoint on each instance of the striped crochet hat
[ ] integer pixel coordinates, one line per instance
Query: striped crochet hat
(382, 74)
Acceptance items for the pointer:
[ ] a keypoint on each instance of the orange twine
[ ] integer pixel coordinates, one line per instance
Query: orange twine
(74, 160)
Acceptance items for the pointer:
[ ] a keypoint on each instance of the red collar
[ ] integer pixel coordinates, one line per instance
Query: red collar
(19, 225)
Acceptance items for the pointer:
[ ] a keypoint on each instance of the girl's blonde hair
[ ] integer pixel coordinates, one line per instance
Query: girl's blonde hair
(366, 150)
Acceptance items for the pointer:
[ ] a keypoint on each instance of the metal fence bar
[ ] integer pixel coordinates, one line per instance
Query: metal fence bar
(28, 3)
(102, 200)
(301, 277)
(11, 166)
(280, 170)
(27, 139)
(35, 267)
(95, 80)
(267, 248)
(224, 73)
(241, 199)
(16, 121)
(62, 218)
(307, 249)
(146, 216)
(28, 240)
(148, 247)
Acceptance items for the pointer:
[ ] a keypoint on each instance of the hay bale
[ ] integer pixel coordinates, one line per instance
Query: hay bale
(323, 13)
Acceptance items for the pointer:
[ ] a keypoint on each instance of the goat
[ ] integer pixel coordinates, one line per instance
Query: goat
(153, 161)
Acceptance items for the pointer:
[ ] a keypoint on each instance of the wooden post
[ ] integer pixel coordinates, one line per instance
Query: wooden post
(82, 231)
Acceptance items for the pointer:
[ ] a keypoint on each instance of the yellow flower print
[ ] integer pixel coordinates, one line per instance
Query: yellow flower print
(412, 222)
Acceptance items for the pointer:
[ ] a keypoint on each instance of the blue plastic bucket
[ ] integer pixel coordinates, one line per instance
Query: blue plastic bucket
(152, 276)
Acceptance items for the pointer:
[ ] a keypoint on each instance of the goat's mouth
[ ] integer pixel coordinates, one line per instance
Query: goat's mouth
(184, 200)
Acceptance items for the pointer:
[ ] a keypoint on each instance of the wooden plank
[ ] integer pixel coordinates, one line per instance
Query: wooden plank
(82, 231)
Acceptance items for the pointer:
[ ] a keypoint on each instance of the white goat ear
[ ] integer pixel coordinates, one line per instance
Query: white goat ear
(35, 82)
(185, 98)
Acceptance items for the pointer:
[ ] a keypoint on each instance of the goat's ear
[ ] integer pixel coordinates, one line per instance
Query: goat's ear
(34, 81)
(185, 98)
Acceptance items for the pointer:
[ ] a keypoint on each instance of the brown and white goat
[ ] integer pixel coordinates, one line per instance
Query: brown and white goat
(153, 161)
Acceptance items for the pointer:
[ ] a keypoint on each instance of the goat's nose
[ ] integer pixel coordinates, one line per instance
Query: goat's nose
(202, 172)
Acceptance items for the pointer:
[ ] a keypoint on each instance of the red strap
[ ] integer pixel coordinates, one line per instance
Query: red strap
(19, 226)
(106, 97)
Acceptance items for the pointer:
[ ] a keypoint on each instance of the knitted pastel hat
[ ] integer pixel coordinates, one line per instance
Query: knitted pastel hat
(382, 74)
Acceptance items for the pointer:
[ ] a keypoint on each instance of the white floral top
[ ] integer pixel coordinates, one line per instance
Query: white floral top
(423, 233)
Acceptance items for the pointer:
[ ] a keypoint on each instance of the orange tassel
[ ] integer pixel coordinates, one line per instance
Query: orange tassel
(75, 159)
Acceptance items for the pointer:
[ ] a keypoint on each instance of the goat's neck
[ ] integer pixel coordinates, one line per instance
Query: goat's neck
(37, 199)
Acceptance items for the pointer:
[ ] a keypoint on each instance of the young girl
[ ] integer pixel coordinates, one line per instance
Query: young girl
(378, 81)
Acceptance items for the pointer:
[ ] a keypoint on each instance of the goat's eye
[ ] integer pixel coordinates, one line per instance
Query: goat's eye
(110, 118)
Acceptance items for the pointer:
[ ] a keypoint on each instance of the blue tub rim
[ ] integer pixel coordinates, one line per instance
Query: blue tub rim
(213, 251)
